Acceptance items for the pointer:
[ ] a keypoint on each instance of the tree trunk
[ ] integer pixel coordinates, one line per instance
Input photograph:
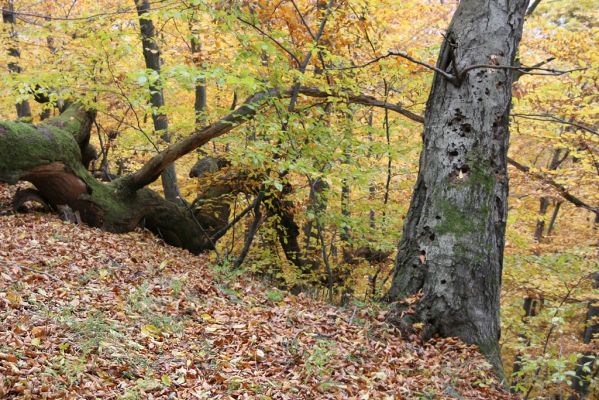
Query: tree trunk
(51, 156)
(151, 53)
(540, 228)
(556, 160)
(586, 366)
(453, 237)
(532, 307)
(8, 18)
(558, 204)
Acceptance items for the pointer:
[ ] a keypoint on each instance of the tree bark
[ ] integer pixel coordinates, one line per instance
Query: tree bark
(151, 53)
(453, 238)
(532, 306)
(8, 18)
(558, 204)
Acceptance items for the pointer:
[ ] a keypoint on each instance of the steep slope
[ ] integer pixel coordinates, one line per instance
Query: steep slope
(89, 314)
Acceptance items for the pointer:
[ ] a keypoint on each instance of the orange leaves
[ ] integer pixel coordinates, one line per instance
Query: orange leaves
(116, 319)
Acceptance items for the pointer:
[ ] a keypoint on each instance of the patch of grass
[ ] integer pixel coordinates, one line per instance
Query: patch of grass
(142, 387)
(317, 362)
(92, 332)
(143, 303)
(275, 295)
(177, 284)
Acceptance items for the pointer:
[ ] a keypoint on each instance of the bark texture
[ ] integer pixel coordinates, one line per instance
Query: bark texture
(453, 237)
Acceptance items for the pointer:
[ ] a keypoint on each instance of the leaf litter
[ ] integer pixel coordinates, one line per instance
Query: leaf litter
(87, 314)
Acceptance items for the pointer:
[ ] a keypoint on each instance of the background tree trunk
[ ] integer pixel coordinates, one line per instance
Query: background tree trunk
(586, 365)
(151, 53)
(556, 160)
(8, 18)
(453, 237)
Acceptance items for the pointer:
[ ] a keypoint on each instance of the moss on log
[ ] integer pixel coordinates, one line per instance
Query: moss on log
(51, 157)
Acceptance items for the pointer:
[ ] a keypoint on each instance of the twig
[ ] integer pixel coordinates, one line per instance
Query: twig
(90, 17)
(402, 55)
(275, 41)
(38, 272)
(220, 233)
(521, 69)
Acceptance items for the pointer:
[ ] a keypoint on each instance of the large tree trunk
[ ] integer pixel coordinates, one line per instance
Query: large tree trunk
(453, 237)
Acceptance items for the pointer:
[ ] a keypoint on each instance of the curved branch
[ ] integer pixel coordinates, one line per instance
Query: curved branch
(152, 169)
(552, 118)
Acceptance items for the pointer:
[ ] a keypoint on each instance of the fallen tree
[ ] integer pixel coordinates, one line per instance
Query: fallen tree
(54, 156)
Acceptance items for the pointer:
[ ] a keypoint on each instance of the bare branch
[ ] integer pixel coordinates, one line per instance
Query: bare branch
(552, 118)
(92, 16)
(521, 69)
(532, 7)
(272, 39)
(402, 55)
(519, 74)
(361, 99)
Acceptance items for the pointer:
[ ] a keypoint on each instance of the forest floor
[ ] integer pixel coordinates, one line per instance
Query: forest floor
(94, 315)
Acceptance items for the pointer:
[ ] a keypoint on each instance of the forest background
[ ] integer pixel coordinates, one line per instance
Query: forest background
(348, 170)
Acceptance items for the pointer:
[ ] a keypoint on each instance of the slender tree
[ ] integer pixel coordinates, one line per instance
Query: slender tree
(451, 253)
(151, 53)
(8, 18)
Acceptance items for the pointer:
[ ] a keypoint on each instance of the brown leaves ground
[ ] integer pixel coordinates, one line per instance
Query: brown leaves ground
(89, 314)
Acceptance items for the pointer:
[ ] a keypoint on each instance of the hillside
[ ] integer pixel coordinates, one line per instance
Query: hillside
(89, 314)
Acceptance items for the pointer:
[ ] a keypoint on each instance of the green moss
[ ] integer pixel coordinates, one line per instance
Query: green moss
(455, 220)
(481, 174)
(25, 147)
(477, 189)
(74, 120)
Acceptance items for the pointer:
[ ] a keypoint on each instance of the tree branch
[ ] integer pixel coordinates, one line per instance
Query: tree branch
(559, 187)
(361, 99)
(552, 118)
(520, 69)
(402, 55)
(152, 169)
(532, 7)
(275, 41)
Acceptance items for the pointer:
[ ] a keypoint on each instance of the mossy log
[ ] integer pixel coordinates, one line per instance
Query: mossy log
(52, 156)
